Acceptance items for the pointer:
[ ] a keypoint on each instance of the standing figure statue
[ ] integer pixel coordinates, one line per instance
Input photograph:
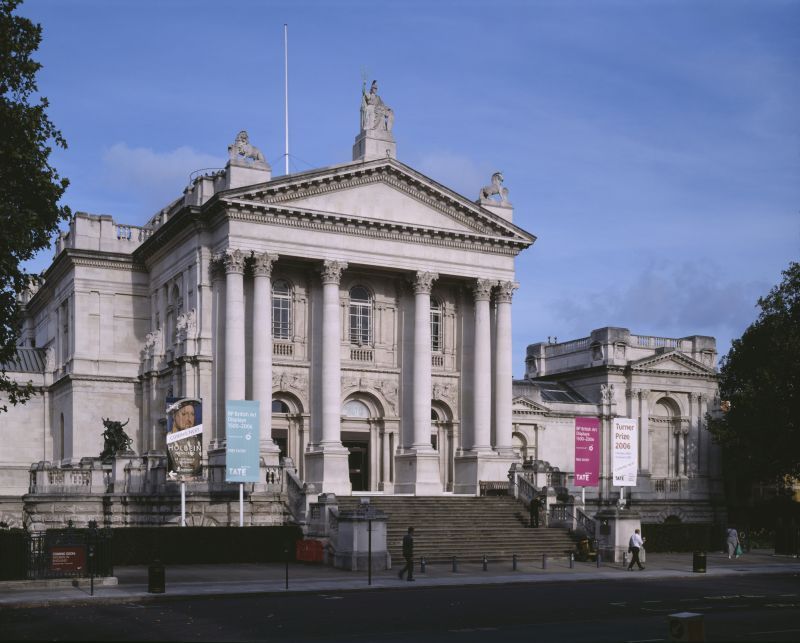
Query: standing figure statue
(375, 114)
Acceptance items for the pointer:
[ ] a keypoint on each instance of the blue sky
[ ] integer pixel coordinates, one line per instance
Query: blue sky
(653, 147)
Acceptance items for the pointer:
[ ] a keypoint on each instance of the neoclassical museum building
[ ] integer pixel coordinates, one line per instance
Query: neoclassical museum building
(366, 307)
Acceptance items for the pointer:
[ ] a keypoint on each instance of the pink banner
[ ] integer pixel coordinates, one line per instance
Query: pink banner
(587, 452)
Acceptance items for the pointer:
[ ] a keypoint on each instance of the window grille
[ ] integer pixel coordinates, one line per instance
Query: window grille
(281, 310)
(360, 316)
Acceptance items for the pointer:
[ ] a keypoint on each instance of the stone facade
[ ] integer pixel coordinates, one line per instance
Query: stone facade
(667, 385)
(353, 302)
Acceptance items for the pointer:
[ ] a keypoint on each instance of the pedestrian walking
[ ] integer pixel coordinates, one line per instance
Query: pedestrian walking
(534, 508)
(408, 555)
(635, 544)
(734, 549)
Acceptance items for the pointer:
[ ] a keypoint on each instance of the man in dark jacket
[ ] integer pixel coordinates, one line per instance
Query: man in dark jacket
(408, 554)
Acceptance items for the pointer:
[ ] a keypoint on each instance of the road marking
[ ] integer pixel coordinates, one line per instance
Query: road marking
(775, 632)
(721, 598)
(618, 604)
(653, 601)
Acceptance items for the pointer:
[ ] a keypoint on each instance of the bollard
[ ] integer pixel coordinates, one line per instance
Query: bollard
(455, 565)
(571, 560)
(624, 559)
(485, 563)
(422, 565)
(699, 562)
(156, 578)
(598, 559)
(544, 561)
(514, 562)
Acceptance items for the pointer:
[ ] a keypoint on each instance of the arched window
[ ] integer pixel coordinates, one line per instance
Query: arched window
(281, 309)
(355, 409)
(360, 316)
(279, 406)
(436, 326)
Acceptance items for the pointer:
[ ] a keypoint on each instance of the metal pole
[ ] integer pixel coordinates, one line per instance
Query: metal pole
(583, 496)
(183, 503)
(544, 561)
(514, 562)
(241, 504)
(369, 552)
(286, 552)
(286, 94)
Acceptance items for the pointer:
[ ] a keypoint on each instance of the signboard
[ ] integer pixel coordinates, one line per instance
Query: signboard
(242, 437)
(68, 558)
(625, 452)
(184, 437)
(587, 452)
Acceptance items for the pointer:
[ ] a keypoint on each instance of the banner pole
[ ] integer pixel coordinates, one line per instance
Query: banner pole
(583, 496)
(241, 504)
(183, 503)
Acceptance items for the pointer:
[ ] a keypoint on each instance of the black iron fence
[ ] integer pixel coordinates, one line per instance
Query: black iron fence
(55, 553)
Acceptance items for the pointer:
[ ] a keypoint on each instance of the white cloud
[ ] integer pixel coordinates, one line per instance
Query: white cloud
(153, 178)
(668, 300)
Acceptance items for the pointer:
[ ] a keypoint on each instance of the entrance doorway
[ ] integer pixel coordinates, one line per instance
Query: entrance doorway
(358, 464)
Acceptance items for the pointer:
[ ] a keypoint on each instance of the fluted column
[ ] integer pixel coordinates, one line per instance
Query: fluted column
(262, 346)
(482, 375)
(234, 325)
(421, 438)
(502, 368)
(331, 357)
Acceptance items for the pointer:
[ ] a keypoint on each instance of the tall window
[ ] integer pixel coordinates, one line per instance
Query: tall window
(436, 326)
(281, 309)
(360, 316)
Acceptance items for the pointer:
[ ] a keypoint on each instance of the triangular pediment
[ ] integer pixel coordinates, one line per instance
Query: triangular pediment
(524, 405)
(380, 193)
(673, 362)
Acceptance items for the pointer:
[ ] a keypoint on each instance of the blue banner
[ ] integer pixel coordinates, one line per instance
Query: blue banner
(242, 433)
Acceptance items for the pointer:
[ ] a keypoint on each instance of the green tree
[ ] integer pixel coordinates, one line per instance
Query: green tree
(30, 189)
(759, 385)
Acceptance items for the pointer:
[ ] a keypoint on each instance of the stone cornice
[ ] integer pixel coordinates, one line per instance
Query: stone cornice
(253, 212)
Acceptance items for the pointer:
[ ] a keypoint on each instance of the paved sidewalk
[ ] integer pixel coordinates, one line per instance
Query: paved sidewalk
(130, 583)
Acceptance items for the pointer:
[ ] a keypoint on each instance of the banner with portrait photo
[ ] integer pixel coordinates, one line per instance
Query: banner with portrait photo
(184, 437)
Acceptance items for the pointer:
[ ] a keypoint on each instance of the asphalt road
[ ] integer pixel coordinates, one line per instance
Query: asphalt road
(747, 608)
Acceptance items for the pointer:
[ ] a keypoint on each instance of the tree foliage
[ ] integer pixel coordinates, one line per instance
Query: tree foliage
(30, 189)
(759, 384)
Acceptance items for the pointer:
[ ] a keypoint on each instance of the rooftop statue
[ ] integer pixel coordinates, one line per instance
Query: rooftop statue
(375, 114)
(242, 149)
(495, 189)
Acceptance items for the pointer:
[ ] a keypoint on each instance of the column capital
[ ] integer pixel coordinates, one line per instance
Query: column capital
(482, 289)
(505, 291)
(423, 282)
(332, 271)
(234, 261)
(262, 264)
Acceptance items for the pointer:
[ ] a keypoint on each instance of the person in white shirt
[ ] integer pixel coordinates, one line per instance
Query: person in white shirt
(636, 543)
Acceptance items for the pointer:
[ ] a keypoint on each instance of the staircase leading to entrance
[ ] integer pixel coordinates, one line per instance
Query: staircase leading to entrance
(465, 527)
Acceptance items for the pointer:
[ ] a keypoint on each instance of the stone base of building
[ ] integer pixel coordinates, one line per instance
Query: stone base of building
(417, 473)
(474, 467)
(119, 510)
(327, 468)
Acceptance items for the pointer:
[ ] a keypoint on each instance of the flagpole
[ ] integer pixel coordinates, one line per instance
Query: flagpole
(286, 95)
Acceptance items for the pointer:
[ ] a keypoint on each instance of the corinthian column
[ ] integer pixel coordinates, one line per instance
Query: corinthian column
(234, 324)
(482, 373)
(502, 368)
(262, 349)
(326, 461)
(331, 356)
(422, 361)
